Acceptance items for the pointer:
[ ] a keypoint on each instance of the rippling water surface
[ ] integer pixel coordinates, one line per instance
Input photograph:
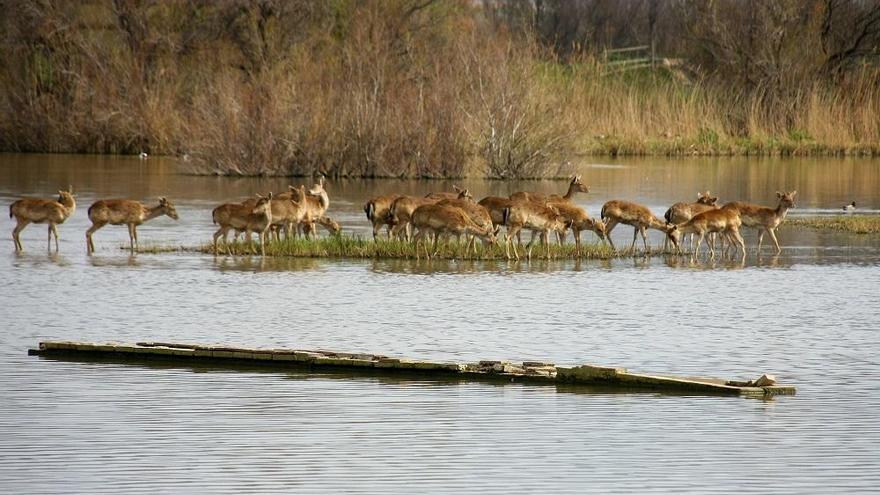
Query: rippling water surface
(808, 316)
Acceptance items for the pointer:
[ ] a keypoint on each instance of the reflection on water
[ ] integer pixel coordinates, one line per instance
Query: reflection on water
(808, 316)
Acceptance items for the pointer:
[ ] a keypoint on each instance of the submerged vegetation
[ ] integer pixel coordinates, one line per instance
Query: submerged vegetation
(436, 88)
(857, 224)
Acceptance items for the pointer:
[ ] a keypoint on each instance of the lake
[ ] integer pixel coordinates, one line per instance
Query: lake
(808, 316)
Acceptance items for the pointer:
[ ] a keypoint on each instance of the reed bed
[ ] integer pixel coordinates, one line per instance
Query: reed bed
(380, 89)
(856, 224)
(343, 246)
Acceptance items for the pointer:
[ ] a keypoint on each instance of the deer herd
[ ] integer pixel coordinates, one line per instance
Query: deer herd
(420, 219)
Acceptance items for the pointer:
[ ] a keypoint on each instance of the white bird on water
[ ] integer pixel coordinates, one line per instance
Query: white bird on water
(143, 155)
(850, 207)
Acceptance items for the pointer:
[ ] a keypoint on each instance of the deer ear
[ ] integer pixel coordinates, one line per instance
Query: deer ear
(291, 188)
(794, 193)
(270, 195)
(778, 194)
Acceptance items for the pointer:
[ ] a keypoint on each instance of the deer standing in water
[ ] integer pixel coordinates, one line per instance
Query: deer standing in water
(400, 214)
(540, 218)
(574, 186)
(124, 212)
(724, 222)
(440, 195)
(317, 201)
(683, 211)
(237, 216)
(640, 217)
(288, 210)
(377, 210)
(763, 218)
(579, 221)
(36, 210)
(477, 213)
(440, 219)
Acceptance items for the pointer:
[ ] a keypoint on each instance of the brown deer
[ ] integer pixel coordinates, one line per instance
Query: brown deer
(683, 211)
(724, 221)
(616, 211)
(437, 196)
(332, 226)
(477, 213)
(36, 210)
(377, 210)
(579, 221)
(125, 212)
(540, 218)
(763, 218)
(440, 219)
(400, 214)
(574, 187)
(288, 210)
(317, 201)
(236, 216)
(495, 205)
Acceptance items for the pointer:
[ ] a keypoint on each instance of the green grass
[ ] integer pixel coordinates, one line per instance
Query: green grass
(343, 246)
(857, 224)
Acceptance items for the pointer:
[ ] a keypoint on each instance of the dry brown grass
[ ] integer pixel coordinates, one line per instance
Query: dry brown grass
(436, 94)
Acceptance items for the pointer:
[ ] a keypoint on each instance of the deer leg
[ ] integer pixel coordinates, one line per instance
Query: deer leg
(632, 246)
(577, 242)
(699, 243)
(772, 233)
(263, 243)
(53, 229)
(737, 237)
(644, 231)
(608, 228)
(19, 226)
(90, 243)
(137, 244)
(760, 239)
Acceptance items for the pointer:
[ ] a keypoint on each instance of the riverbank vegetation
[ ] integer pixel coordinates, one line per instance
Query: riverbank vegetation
(857, 224)
(433, 88)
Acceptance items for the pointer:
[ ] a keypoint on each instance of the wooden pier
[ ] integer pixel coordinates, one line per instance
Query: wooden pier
(295, 359)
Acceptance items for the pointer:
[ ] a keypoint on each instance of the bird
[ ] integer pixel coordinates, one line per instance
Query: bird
(143, 155)
(850, 207)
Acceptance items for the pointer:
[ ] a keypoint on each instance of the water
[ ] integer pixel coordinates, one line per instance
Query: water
(807, 316)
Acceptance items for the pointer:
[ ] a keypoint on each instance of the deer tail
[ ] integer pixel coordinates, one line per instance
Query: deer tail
(370, 210)
(505, 215)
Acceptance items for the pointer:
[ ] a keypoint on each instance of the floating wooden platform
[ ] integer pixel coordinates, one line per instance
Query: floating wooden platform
(528, 371)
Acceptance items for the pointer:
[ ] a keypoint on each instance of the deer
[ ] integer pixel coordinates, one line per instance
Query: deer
(125, 212)
(477, 213)
(579, 221)
(763, 218)
(244, 218)
(448, 195)
(535, 216)
(316, 203)
(616, 211)
(332, 226)
(400, 214)
(723, 221)
(574, 186)
(36, 210)
(495, 205)
(288, 210)
(438, 219)
(683, 211)
(377, 209)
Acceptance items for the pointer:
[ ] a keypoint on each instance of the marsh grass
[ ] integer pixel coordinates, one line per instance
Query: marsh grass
(343, 246)
(856, 224)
